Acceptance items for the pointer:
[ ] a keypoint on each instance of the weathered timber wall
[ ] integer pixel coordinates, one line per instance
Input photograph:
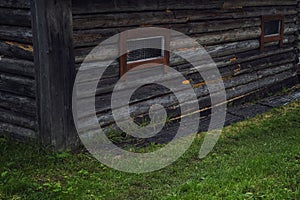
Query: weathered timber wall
(229, 30)
(17, 74)
(298, 27)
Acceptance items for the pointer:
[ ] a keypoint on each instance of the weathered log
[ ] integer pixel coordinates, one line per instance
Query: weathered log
(248, 12)
(275, 70)
(124, 19)
(95, 37)
(17, 103)
(18, 119)
(17, 66)
(256, 85)
(18, 85)
(16, 34)
(252, 56)
(24, 4)
(16, 50)
(10, 129)
(264, 63)
(94, 6)
(228, 4)
(15, 17)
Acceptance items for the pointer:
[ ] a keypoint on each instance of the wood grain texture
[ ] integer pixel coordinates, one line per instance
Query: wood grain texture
(55, 72)
(17, 73)
(38, 79)
(229, 30)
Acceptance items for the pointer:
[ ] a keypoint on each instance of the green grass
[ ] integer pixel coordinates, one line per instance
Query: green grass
(255, 159)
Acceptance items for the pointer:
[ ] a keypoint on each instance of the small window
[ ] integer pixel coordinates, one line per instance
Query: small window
(272, 30)
(149, 50)
(143, 53)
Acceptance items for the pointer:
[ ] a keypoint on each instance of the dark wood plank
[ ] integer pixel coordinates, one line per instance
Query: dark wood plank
(10, 129)
(17, 119)
(18, 104)
(19, 85)
(16, 50)
(16, 17)
(55, 72)
(17, 67)
(16, 34)
(24, 4)
(95, 6)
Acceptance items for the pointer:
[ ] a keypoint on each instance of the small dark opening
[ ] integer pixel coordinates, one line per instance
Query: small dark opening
(272, 27)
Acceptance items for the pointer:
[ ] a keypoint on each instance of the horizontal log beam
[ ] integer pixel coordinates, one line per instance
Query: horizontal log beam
(18, 85)
(16, 50)
(18, 104)
(17, 67)
(24, 4)
(15, 17)
(18, 119)
(16, 34)
(10, 129)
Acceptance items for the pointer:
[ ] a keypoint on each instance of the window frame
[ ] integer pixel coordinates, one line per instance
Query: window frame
(271, 38)
(125, 66)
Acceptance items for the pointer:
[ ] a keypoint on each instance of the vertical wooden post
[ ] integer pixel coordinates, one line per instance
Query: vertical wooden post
(297, 41)
(55, 71)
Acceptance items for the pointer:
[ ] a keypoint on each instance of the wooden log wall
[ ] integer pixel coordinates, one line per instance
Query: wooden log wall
(228, 29)
(17, 73)
(298, 26)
